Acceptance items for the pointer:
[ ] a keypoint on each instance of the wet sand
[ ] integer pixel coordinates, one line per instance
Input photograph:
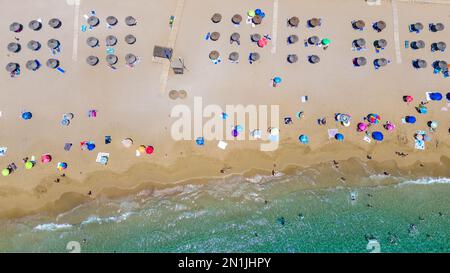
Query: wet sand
(130, 102)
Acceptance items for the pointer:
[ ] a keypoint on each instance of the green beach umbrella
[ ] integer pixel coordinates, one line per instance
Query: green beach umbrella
(28, 165)
(251, 13)
(6, 172)
(326, 41)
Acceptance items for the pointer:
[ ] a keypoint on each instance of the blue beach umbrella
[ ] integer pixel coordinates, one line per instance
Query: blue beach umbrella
(410, 119)
(258, 12)
(303, 139)
(27, 115)
(339, 137)
(200, 141)
(90, 146)
(378, 136)
(422, 110)
(436, 96)
(448, 96)
(239, 128)
(277, 80)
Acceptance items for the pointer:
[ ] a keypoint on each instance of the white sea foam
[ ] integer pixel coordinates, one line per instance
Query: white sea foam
(51, 227)
(111, 219)
(426, 181)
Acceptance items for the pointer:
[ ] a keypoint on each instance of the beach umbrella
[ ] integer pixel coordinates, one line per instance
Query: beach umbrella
(325, 41)
(254, 56)
(142, 148)
(35, 25)
(216, 18)
(433, 124)
(111, 40)
(379, 26)
(173, 94)
(313, 40)
(437, 27)
(440, 46)
(149, 150)
(93, 21)
(314, 59)
(92, 60)
(239, 128)
(257, 19)
(374, 118)
(236, 19)
(61, 166)
(34, 45)
(235, 37)
(378, 136)
(234, 56)
(214, 36)
(389, 126)
(358, 25)
(344, 118)
(92, 41)
(234, 133)
(32, 65)
(293, 21)
(422, 110)
(12, 67)
(339, 137)
(28, 165)
(417, 26)
(314, 22)
(381, 43)
(448, 96)
(214, 55)
(292, 39)
(27, 115)
(360, 61)
(127, 142)
(53, 43)
(200, 141)
(46, 158)
(15, 27)
(362, 127)
(55, 23)
(441, 65)
(68, 116)
(408, 99)
(303, 139)
(420, 63)
(130, 59)
(130, 21)
(65, 122)
(90, 146)
(292, 58)
(130, 39)
(14, 47)
(182, 94)
(52, 63)
(263, 42)
(255, 37)
(436, 96)
(381, 62)
(418, 44)
(111, 59)
(410, 119)
(277, 80)
(251, 13)
(258, 12)
(111, 20)
(359, 43)
(6, 172)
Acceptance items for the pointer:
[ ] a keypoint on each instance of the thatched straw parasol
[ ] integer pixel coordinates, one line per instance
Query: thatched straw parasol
(216, 18)
(254, 56)
(257, 19)
(381, 43)
(294, 21)
(236, 19)
(381, 62)
(35, 25)
(130, 39)
(314, 59)
(214, 36)
(437, 27)
(53, 43)
(12, 67)
(111, 59)
(15, 27)
(34, 45)
(359, 43)
(255, 37)
(418, 44)
(419, 63)
(234, 56)
(93, 21)
(358, 25)
(14, 47)
(55, 23)
(173, 94)
(92, 60)
(130, 21)
(416, 26)
(360, 61)
(440, 46)
(130, 59)
(111, 40)
(111, 20)
(292, 58)
(214, 55)
(182, 94)
(313, 40)
(292, 39)
(32, 65)
(314, 22)
(379, 26)
(52, 63)
(92, 41)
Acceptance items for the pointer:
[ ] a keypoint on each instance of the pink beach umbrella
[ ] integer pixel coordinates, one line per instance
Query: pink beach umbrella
(262, 42)
(408, 99)
(362, 127)
(389, 126)
(46, 158)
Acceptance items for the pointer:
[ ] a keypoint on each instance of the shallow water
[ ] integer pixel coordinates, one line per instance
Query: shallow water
(242, 215)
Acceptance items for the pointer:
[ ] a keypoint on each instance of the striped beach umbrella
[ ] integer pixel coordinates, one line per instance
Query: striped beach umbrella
(374, 118)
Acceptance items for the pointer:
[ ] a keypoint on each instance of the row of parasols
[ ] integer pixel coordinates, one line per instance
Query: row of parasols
(256, 16)
(435, 46)
(30, 163)
(35, 25)
(110, 40)
(255, 56)
(310, 23)
(33, 45)
(94, 21)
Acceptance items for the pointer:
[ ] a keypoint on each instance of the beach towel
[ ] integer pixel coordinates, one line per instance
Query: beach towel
(304, 99)
(67, 146)
(332, 133)
(102, 158)
(3, 151)
(367, 139)
(419, 144)
(222, 145)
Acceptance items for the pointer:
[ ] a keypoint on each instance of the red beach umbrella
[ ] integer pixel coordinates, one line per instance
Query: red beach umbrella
(149, 150)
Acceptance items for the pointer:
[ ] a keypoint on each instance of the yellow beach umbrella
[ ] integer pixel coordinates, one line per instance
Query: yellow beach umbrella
(29, 165)
(6, 172)
(142, 148)
(251, 13)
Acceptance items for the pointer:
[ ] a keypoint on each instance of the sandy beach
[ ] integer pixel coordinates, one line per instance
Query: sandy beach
(134, 102)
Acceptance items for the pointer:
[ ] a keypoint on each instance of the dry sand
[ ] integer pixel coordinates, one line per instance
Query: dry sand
(130, 102)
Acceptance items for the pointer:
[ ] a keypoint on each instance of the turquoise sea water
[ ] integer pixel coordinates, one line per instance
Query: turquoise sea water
(240, 215)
